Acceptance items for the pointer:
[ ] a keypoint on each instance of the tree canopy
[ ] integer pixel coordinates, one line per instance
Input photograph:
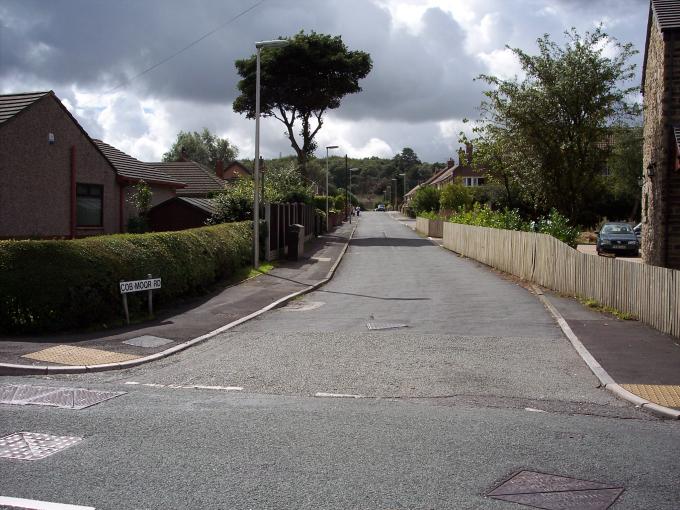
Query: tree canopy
(300, 82)
(545, 134)
(204, 147)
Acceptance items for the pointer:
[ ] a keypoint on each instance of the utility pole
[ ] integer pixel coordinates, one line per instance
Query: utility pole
(348, 215)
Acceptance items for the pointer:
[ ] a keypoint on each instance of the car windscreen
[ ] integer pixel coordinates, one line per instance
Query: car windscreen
(617, 229)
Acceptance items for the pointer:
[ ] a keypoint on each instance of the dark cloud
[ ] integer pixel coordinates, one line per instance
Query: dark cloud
(420, 76)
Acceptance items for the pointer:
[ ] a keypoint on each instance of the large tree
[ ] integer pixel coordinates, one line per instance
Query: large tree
(204, 147)
(548, 129)
(300, 82)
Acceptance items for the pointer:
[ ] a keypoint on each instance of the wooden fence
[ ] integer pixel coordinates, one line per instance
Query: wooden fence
(651, 294)
(432, 228)
(279, 217)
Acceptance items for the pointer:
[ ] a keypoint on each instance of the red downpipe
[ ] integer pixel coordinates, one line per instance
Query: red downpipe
(73, 191)
(121, 200)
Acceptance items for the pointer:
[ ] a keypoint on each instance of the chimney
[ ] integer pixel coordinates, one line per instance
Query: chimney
(468, 153)
(461, 157)
(183, 155)
(219, 169)
(450, 163)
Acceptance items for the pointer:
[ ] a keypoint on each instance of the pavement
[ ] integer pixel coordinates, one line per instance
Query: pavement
(175, 329)
(635, 361)
(630, 359)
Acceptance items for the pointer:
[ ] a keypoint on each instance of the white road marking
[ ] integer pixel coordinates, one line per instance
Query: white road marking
(192, 387)
(320, 259)
(337, 395)
(532, 410)
(31, 504)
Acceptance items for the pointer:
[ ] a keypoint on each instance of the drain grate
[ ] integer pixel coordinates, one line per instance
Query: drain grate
(552, 492)
(147, 341)
(33, 445)
(385, 325)
(67, 398)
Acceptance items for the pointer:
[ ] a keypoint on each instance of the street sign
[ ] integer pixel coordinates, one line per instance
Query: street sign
(149, 285)
(139, 285)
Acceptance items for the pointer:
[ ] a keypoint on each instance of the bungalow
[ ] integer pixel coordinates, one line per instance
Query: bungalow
(56, 181)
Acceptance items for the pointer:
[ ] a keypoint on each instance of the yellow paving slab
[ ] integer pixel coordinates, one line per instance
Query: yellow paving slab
(73, 355)
(664, 395)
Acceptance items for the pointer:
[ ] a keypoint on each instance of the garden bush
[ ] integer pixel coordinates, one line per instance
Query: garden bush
(58, 285)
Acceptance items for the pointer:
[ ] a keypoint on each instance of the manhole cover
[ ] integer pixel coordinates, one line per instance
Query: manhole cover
(67, 398)
(72, 355)
(385, 325)
(33, 446)
(147, 341)
(303, 306)
(552, 492)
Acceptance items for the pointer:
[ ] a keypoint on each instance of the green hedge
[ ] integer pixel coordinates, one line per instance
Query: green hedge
(57, 285)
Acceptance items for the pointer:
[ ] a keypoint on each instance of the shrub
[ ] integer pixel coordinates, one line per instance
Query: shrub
(484, 216)
(455, 196)
(558, 226)
(57, 285)
(426, 198)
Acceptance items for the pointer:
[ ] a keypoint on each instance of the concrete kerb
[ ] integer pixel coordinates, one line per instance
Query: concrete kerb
(605, 379)
(16, 369)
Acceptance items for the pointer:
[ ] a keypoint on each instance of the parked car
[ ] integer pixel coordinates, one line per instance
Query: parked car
(618, 238)
(380, 208)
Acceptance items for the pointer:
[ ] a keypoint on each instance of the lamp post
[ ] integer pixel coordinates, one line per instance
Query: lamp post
(327, 149)
(256, 174)
(404, 200)
(394, 198)
(349, 187)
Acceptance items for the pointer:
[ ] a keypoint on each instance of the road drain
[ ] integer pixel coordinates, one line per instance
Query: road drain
(385, 325)
(66, 398)
(552, 492)
(33, 446)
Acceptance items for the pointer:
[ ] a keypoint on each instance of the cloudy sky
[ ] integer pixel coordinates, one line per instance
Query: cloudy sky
(425, 54)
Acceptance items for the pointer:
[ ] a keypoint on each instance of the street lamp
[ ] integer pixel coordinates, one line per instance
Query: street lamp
(404, 200)
(327, 148)
(349, 188)
(278, 43)
(395, 194)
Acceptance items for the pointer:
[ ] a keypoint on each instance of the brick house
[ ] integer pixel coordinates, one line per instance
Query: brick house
(661, 89)
(55, 181)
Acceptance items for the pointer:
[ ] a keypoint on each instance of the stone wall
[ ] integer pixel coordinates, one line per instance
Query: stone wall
(661, 192)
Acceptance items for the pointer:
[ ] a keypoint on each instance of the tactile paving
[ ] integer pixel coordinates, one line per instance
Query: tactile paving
(33, 445)
(664, 395)
(73, 355)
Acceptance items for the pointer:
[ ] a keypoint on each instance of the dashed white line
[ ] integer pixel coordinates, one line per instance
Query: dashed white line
(31, 504)
(183, 387)
(337, 395)
(532, 410)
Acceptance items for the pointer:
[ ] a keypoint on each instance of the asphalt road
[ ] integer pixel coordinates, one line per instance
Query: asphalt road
(476, 384)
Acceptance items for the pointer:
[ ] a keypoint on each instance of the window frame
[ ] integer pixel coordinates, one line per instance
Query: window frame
(89, 194)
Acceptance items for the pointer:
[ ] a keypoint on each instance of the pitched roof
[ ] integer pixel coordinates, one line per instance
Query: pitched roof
(199, 179)
(132, 169)
(204, 204)
(12, 104)
(667, 14)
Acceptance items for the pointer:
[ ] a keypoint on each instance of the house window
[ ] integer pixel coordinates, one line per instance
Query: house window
(89, 205)
(473, 181)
